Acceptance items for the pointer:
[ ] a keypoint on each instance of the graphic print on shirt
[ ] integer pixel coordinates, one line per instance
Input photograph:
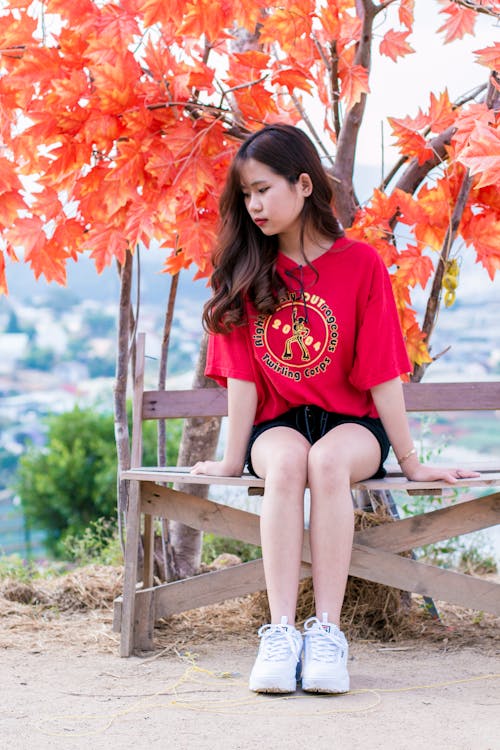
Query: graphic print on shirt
(299, 338)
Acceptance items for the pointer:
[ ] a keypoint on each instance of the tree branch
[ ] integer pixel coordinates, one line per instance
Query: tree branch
(416, 172)
(344, 198)
(435, 296)
(479, 7)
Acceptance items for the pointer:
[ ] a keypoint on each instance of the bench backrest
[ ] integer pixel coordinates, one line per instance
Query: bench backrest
(419, 397)
(212, 402)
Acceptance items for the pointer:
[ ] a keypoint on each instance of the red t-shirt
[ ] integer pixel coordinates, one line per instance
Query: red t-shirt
(333, 336)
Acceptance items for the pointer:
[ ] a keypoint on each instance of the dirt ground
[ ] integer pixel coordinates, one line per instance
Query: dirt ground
(64, 686)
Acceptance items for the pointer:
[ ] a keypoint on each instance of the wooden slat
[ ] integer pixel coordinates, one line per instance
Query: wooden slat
(199, 513)
(181, 475)
(130, 571)
(476, 396)
(213, 587)
(212, 402)
(366, 562)
(197, 402)
(428, 580)
(391, 484)
(428, 528)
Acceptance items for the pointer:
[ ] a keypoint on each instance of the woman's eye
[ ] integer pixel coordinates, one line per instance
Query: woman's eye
(263, 190)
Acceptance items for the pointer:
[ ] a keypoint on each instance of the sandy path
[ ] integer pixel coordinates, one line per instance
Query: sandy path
(410, 696)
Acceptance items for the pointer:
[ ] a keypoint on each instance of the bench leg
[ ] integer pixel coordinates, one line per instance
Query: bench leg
(144, 621)
(147, 576)
(130, 570)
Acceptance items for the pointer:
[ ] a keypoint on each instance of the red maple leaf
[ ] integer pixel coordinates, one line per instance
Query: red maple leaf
(461, 21)
(489, 56)
(394, 44)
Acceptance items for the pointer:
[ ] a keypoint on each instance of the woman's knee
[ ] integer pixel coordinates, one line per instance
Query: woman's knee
(327, 463)
(282, 460)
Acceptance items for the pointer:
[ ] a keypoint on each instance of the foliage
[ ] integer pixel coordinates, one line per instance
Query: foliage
(72, 480)
(15, 567)
(214, 545)
(119, 120)
(98, 544)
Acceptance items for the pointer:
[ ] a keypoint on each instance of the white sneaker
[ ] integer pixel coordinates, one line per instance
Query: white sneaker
(325, 657)
(278, 663)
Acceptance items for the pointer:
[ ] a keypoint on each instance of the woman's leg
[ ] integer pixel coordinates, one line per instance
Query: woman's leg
(279, 455)
(346, 454)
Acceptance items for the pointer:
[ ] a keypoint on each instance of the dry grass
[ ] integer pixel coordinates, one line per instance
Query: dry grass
(76, 610)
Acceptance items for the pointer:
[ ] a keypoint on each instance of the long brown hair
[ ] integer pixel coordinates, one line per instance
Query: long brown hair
(244, 260)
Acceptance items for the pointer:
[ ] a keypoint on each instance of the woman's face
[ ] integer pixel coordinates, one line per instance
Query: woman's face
(274, 204)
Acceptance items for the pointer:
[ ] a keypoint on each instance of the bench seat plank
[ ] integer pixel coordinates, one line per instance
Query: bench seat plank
(181, 475)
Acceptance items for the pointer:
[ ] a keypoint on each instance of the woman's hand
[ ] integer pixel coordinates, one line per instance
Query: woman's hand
(216, 468)
(418, 472)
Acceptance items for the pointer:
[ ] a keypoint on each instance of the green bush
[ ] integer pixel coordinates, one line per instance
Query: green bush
(71, 482)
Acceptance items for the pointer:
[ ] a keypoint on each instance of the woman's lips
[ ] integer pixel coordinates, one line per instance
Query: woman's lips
(260, 222)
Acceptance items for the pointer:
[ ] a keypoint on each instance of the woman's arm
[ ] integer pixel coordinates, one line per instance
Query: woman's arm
(242, 405)
(389, 402)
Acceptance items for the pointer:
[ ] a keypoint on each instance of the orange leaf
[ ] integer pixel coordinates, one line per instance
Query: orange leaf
(105, 244)
(69, 236)
(413, 267)
(202, 78)
(441, 112)
(155, 11)
(11, 204)
(394, 44)
(416, 346)
(287, 23)
(26, 232)
(409, 141)
(406, 15)
(436, 206)
(489, 56)
(293, 78)
(252, 59)
(354, 80)
(483, 233)
(114, 84)
(482, 155)
(205, 17)
(407, 208)
(467, 121)
(160, 163)
(461, 21)
(8, 177)
(44, 256)
(16, 33)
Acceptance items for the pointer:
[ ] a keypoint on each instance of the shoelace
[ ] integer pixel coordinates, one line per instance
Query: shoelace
(324, 645)
(277, 642)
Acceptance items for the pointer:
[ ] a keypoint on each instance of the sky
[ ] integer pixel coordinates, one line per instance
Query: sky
(399, 89)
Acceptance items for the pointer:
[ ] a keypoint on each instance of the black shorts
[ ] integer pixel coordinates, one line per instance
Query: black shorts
(313, 423)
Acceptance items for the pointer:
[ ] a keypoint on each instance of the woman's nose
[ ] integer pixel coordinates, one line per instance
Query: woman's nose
(254, 203)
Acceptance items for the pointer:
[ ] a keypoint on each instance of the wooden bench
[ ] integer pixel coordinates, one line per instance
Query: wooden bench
(375, 551)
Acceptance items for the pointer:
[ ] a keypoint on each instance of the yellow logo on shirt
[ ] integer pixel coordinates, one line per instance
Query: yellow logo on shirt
(299, 337)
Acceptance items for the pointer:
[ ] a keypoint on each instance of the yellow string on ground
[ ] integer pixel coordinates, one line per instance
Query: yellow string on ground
(252, 704)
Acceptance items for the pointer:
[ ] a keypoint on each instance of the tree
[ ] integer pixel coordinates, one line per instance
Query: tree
(72, 480)
(119, 120)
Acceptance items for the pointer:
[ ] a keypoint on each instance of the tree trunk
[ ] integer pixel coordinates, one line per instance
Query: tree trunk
(199, 442)
(120, 388)
(166, 560)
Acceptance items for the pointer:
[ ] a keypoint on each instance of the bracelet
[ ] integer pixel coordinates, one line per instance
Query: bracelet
(406, 456)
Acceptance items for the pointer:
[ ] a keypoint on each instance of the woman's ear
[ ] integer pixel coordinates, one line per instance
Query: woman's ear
(305, 184)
